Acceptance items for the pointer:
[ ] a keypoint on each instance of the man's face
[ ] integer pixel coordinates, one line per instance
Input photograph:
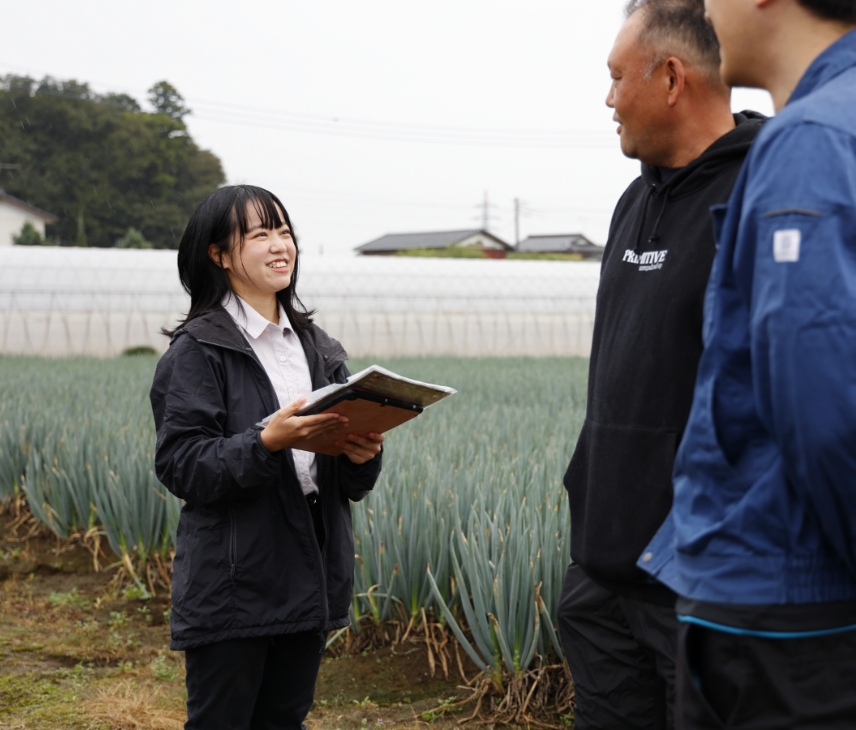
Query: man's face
(735, 24)
(639, 99)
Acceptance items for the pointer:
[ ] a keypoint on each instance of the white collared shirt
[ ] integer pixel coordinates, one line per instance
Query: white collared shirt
(279, 350)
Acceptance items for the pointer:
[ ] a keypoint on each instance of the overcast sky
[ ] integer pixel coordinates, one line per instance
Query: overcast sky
(370, 117)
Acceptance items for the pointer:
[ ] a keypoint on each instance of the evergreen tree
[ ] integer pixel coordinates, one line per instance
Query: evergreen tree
(133, 239)
(29, 236)
(165, 99)
(101, 164)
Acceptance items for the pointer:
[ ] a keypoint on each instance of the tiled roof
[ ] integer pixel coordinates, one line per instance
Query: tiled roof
(38, 212)
(435, 239)
(564, 243)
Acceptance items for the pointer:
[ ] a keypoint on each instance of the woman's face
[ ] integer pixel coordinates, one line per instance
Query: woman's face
(264, 264)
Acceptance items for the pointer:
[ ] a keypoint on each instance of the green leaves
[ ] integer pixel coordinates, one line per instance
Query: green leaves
(101, 164)
(29, 236)
(471, 510)
(77, 437)
(469, 518)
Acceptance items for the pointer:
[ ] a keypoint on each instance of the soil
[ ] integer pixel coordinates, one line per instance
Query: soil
(77, 651)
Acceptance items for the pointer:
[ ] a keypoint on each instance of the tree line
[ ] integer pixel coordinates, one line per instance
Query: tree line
(113, 173)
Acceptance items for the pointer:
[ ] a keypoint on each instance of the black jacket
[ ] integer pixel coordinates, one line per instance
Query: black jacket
(247, 562)
(645, 352)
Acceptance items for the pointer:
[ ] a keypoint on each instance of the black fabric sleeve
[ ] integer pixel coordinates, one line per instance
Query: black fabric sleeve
(194, 458)
(357, 480)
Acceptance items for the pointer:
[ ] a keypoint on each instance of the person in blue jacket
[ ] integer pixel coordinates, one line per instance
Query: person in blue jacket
(761, 541)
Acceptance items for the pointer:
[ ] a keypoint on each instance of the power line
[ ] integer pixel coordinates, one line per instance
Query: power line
(475, 139)
(292, 121)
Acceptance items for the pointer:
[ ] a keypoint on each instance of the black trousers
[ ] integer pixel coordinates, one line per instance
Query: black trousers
(752, 683)
(621, 655)
(253, 684)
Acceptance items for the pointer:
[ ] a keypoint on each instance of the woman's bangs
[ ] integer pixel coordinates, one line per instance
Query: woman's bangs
(267, 207)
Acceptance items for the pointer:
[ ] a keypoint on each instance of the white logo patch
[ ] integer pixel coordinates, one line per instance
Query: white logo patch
(647, 261)
(786, 246)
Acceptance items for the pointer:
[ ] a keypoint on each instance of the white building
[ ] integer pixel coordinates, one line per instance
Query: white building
(14, 213)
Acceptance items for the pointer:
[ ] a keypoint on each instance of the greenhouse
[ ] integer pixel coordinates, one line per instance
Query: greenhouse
(73, 301)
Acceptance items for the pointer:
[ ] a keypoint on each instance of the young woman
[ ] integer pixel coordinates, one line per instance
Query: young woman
(265, 555)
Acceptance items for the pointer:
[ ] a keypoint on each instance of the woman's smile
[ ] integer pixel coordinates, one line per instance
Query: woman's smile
(280, 266)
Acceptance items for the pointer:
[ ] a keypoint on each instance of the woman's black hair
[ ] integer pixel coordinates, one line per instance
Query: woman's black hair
(220, 219)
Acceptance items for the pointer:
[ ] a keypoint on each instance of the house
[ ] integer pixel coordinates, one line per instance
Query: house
(14, 213)
(392, 243)
(574, 243)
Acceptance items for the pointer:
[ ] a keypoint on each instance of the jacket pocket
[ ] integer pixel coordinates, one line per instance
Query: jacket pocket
(182, 562)
(203, 594)
(695, 707)
(620, 489)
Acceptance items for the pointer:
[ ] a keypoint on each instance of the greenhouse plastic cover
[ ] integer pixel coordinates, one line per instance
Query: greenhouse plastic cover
(116, 280)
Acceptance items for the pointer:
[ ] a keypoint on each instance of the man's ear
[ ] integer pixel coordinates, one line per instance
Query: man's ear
(676, 74)
(215, 254)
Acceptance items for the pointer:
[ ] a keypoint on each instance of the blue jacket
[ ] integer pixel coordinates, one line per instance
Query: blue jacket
(765, 477)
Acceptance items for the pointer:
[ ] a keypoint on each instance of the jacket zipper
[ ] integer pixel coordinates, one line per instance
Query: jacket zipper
(322, 584)
(233, 543)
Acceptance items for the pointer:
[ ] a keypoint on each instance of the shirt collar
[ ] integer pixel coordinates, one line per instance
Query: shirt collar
(249, 319)
(836, 59)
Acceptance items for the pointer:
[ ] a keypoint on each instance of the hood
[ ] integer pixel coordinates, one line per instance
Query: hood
(699, 173)
(216, 327)
(708, 165)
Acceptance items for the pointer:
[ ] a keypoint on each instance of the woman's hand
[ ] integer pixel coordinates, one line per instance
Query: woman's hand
(285, 429)
(360, 449)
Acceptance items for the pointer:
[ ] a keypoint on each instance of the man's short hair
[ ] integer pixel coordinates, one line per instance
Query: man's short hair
(832, 9)
(679, 28)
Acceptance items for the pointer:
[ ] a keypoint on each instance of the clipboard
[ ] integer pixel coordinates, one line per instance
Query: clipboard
(366, 413)
(374, 400)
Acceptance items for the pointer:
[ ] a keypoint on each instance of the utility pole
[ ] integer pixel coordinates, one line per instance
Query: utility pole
(517, 222)
(485, 213)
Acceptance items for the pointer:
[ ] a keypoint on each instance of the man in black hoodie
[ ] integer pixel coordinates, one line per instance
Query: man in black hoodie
(618, 626)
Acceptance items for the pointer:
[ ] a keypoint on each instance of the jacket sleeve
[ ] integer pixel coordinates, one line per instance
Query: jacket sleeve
(356, 480)
(802, 274)
(194, 458)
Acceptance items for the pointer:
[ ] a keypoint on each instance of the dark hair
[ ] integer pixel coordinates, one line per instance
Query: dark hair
(682, 22)
(832, 9)
(219, 219)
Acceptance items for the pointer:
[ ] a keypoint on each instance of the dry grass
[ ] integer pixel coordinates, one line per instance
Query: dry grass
(130, 705)
(77, 653)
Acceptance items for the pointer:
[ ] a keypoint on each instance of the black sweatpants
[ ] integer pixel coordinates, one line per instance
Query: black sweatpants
(266, 683)
(753, 683)
(621, 655)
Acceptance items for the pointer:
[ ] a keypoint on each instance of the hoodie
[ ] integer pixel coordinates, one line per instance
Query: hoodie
(645, 352)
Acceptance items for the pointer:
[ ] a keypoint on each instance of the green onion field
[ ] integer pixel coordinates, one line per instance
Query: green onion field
(469, 518)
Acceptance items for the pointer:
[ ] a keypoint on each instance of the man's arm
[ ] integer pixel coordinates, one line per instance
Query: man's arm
(800, 280)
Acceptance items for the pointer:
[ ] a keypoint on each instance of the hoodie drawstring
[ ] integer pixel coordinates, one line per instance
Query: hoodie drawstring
(637, 249)
(655, 234)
